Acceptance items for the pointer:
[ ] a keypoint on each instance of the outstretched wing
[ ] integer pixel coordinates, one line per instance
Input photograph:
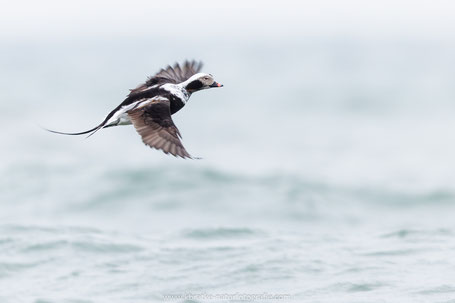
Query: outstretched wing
(176, 74)
(154, 123)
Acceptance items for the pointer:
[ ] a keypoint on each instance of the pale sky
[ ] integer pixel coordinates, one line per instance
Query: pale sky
(25, 19)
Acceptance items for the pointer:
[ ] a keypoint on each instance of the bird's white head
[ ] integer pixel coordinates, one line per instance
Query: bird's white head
(200, 81)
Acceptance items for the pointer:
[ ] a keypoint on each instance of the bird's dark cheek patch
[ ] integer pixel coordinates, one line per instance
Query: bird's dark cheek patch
(194, 85)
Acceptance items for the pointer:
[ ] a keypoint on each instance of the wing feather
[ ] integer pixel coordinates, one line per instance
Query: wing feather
(176, 74)
(154, 124)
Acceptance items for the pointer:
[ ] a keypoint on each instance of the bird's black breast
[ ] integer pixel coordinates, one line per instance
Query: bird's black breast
(176, 103)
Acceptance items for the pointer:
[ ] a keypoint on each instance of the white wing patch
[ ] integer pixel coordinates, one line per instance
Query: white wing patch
(177, 90)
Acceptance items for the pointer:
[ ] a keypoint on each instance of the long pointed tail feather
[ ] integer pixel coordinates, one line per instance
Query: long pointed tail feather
(96, 128)
(90, 131)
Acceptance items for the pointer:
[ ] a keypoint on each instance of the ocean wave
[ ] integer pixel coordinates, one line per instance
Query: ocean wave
(220, 233)
(287, 187)
(171, 186)
(27, 239)
(414, 233)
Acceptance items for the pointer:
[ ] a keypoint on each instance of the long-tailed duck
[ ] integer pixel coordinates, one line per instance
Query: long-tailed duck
(150, 105)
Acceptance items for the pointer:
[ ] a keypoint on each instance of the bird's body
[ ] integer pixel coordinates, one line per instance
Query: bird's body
(150, 105)
(175, 93)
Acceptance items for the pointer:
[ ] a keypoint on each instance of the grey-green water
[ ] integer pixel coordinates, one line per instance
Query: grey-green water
(327, 173)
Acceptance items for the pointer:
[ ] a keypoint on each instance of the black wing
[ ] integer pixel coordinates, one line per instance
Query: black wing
(154, 123)
(176, 74)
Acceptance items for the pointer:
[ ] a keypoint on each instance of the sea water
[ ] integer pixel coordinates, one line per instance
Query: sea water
(327, 174)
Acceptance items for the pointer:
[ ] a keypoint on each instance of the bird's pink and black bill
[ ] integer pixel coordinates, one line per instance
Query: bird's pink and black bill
(216, 84)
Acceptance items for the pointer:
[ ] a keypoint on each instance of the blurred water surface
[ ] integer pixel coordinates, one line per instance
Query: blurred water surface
(327, 172)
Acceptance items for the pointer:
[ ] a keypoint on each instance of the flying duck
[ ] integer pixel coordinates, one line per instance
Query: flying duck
(150, 105)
